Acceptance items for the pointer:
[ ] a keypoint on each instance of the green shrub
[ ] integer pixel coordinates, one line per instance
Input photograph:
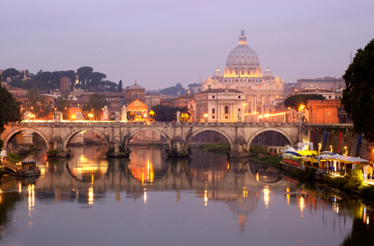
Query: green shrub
(368, 192)
(214, 147)
(122, 147)
(354, 180)
(110, 150)
(52, 153)
(310, 173)
(257, 149)
(173, 152)
(339, 182)
(15, 156)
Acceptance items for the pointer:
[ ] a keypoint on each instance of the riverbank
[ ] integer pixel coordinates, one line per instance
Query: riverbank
(352, 183)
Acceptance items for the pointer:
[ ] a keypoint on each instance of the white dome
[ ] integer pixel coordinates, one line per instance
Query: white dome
(242, 55)
(268, 73)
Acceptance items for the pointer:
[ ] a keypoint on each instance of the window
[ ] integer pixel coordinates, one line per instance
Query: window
(226, 117)
(213, 97)
(213, 117)
(258, 98)
(213, 110)
(226, 109)
(239, 97)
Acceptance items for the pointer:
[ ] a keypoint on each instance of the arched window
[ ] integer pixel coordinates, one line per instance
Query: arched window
(226, 109)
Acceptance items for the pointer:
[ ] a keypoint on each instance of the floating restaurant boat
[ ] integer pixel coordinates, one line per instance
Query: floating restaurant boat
(24, 169)
(325, 162)
(339, 163)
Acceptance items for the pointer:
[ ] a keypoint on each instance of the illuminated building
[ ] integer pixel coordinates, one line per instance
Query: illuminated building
(139, 108)
(329, 83)
(134, 92)
(243, 73)
(218, 105)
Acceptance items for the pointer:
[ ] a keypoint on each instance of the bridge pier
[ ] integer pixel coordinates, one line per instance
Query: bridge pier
(27, 138)
(238, 149)
(179, 149)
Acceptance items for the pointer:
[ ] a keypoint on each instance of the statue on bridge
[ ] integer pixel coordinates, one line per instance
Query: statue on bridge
(105, 113)
(124, 114)
(178, 116)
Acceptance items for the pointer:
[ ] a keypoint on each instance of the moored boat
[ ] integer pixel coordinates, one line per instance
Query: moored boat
(26, 169)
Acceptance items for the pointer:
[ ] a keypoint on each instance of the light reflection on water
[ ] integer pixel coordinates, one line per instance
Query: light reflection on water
(203, 201)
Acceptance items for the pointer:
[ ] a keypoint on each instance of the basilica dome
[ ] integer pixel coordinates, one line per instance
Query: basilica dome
(242, 55)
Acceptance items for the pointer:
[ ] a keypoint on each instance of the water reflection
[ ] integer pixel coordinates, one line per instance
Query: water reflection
(249, 191)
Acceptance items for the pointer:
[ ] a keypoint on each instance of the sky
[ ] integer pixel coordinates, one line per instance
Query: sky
(163, 42)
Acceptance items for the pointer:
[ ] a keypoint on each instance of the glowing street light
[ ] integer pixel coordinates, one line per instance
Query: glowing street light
(73, 117)
(206, 117)
(90, 115)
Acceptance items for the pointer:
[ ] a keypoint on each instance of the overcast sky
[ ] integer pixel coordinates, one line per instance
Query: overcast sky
(161, 43)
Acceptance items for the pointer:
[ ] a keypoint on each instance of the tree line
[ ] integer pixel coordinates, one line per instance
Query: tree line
(84, 77)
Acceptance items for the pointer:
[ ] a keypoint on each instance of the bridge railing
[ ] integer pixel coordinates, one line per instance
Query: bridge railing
(159, 124)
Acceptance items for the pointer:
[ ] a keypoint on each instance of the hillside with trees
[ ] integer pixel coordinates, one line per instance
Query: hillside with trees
(84, 77)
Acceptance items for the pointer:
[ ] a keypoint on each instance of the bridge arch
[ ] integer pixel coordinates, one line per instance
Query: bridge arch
(18, 130)
(289, 139)
(76, 131)
(223, 133)
(163, 134)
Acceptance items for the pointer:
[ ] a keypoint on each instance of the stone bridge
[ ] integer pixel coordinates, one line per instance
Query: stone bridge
(57, 135)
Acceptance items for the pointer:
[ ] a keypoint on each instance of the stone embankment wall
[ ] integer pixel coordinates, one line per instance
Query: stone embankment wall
(333, 132)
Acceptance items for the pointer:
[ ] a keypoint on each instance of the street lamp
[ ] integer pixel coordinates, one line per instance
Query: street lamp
(73, 117)
(331, 148)
(206, 117)
(90, 115)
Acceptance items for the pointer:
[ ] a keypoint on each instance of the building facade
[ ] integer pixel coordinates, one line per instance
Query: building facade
(218, 105)
(134, 92)
(323, 111)
(139, 109)
(65, 85)
(329, 83)
(243, 73)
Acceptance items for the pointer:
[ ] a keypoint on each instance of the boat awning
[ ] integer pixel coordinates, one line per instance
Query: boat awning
(348, 158)
(289, 148)
(342, 158)
(293, 153)
(325, 157)
(327, 153)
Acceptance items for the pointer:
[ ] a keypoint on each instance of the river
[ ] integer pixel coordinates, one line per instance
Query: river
(149, 200)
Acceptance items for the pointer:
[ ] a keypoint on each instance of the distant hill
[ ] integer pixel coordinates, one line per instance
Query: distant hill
(174, 90)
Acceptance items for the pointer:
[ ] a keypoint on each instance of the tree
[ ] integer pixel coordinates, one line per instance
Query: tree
(120, 86)
(358, 99)
(63, 105)
(39, 105)
(301, 99)
(10, 72)
(9, 108)
(84, 74)
(168, 114)
(191, 86)
(94, 106)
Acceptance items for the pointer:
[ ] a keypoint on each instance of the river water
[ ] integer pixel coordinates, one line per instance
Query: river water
(149, 200)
